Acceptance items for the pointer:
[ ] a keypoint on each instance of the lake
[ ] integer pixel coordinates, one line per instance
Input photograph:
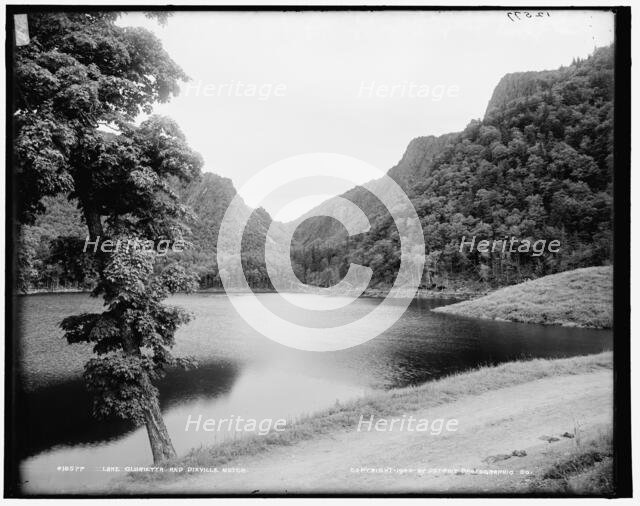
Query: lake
(241, 373)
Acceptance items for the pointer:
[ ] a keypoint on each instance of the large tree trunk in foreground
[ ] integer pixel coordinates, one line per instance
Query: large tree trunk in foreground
(161, 445)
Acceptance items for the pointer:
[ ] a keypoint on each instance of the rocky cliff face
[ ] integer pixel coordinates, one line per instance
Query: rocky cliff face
(520, 85)
(418, 158)
(209, 198)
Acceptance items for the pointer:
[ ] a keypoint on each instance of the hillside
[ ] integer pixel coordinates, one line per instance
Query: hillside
(578, 298)
(209, 199)
(538, 165)
(414, 165)
(520, 85)
(51, 254)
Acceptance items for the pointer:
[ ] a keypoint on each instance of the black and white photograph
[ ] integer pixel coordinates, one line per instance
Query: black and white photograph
(317, 251)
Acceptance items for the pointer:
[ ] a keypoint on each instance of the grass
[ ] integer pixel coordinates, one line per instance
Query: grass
(578, 298)
(384, 404)
(586, 470)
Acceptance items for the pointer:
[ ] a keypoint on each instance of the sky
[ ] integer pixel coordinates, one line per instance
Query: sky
(269, 86)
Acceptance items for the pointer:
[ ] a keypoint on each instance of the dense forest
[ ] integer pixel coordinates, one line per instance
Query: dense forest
(539, 165)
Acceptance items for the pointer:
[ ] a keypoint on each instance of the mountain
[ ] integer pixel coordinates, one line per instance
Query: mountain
(521, 85)
(42, 264)
(414, 165)
(539, 165)
(209, 197)
(418, 159)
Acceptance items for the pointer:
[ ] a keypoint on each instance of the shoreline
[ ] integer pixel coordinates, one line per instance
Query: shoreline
(373, 293)
(326, 427)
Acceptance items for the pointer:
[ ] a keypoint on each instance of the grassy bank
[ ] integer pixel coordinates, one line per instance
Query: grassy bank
(578, 298)
(343, 417)
(586, 469)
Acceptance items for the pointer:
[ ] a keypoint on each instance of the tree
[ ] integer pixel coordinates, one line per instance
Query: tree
(80, 76)
(133, 339)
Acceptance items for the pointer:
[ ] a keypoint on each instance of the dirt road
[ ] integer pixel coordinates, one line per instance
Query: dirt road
(490, 426)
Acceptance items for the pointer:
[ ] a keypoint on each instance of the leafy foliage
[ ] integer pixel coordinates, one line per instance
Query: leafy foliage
(136, 331)
(80, 76)
(79, 71)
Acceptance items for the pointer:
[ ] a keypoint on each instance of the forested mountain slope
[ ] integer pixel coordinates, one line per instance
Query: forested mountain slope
(414, 165)
(539, 165)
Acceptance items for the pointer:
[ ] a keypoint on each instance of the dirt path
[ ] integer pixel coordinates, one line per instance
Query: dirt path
(494, 423)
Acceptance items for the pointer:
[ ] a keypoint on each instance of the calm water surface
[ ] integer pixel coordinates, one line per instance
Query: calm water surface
(242, 373)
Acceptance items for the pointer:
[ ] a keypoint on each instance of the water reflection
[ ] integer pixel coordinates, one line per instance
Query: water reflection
(243, 374)
(257, 393)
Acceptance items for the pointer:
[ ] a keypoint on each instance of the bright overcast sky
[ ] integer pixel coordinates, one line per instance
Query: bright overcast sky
(321, 72)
